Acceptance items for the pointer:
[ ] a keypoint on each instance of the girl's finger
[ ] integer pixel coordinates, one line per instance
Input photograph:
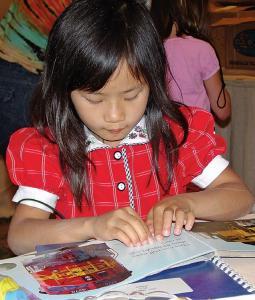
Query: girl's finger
(167, 222)
(180, 220)
(158, 221)
(124, 232)
(141, 229)
(123, 237)
(190, 221)
(149, 223)
(144, 229)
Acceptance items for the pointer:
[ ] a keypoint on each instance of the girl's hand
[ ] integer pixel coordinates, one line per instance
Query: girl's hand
(163, 214)
(123, 224)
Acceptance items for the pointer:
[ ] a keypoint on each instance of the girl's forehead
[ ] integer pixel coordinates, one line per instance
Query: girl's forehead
(125, 75)
(123, 78)
(123, 69)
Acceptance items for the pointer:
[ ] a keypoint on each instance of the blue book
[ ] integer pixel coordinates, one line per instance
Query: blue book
(209, 279)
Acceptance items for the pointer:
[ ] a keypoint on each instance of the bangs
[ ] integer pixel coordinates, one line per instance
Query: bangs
(90, 40)
(92, 74)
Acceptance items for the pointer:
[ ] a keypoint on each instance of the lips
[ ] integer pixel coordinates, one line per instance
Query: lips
(116, 131)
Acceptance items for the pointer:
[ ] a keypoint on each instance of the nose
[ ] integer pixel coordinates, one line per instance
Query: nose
(114, 112)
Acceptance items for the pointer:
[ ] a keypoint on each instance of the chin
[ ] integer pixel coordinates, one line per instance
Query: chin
(113, 142)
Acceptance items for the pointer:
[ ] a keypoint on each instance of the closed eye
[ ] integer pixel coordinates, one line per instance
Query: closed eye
(131, 97)
(93, 101)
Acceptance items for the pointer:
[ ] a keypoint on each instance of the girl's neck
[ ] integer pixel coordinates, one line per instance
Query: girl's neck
(173, 31)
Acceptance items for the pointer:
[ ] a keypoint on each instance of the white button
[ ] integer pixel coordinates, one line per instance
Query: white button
(121, 186)
(117, 155)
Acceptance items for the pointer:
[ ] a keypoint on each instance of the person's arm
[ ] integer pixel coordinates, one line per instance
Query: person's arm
(31, 226)
(220, 99)
(226, 198)
(4, 6)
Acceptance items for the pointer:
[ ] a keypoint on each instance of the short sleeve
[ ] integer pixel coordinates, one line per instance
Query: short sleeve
(202, 145)
(32, 161)
(215, 167)
(209, 63)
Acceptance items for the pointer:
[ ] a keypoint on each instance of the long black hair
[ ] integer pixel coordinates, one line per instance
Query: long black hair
(190, 16)
(85, 46)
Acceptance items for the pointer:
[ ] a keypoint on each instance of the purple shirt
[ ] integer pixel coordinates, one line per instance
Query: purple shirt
(191, 61)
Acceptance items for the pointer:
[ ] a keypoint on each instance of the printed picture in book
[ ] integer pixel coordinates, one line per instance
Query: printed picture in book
(77, 269)
(233, 231)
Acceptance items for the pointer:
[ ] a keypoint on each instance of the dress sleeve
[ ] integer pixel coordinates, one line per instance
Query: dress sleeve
(32, 161)
(202, 148)
(209, 63)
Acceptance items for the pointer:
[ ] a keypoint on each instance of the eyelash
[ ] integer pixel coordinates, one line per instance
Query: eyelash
(93, 101)
(132, 98)
(99, 101)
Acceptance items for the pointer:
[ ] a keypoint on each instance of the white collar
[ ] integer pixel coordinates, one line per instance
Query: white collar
(138, 135)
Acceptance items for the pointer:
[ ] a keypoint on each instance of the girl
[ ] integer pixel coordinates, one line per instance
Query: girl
(109, 154)
(195, 76)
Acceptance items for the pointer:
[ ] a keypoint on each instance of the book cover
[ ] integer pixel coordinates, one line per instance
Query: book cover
(96, 267)
(209, 279)
(228, 238)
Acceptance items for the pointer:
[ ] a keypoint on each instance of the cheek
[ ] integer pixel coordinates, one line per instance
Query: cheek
(142, 106)
(89, 118)
(136, 112)
(86, 114)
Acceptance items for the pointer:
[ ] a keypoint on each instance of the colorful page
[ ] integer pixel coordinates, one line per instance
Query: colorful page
(229, 238)
(97, 267)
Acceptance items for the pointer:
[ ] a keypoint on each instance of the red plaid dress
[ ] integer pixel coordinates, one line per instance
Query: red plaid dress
(33, 162)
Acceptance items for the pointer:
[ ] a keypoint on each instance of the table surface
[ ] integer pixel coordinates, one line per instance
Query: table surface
(244, 267)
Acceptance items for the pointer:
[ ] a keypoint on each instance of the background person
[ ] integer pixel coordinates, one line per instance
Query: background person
(24, 28)
(195, 76)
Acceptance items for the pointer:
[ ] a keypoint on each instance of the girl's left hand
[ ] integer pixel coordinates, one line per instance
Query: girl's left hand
(168, 211)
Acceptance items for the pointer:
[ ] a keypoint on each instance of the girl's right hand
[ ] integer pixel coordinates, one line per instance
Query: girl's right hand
(123, 224)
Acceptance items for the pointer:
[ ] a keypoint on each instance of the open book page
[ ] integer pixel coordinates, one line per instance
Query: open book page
(158, 289)
(228, 238)
(97, 267)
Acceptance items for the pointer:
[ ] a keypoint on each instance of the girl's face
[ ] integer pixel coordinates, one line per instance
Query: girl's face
(112, 112)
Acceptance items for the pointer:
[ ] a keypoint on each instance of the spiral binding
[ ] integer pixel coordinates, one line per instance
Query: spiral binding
(234, 275)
